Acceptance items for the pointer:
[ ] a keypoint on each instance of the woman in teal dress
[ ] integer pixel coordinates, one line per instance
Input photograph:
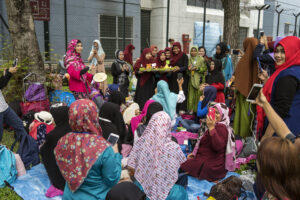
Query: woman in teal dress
(155, 160)
(90, 166)
(222, 54)
(197, 69)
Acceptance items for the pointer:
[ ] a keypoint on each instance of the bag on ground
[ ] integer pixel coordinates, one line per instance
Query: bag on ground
(8, 170)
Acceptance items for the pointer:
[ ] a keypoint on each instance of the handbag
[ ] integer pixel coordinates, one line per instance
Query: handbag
(35, 92)
(35, 106)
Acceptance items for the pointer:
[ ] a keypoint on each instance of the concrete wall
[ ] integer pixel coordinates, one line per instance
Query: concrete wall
(182, 18)
(83, 22)
(271, 19)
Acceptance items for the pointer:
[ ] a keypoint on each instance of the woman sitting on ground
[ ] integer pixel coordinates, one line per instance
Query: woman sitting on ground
(155, 160)
(215, 78)
(168, 99)
(278, 164)
(62, 127)
(90, 166)
(208, 158)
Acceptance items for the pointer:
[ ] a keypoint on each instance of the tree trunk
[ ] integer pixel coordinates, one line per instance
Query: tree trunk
(231, 24)
(24, 40)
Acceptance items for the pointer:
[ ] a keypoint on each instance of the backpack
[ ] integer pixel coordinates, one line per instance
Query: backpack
(28, 150)
(228, 189)
(8, 170)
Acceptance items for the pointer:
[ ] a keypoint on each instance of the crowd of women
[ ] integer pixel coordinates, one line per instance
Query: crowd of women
(81, 162)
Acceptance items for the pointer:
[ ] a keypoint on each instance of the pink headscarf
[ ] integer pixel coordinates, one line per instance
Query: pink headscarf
(136, 120)
(73, 58)
(156, 158)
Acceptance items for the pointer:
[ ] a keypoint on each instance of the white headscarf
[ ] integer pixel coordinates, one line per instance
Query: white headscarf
(100, 51)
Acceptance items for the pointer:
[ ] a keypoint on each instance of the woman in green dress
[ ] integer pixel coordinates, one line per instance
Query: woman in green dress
(197, 69)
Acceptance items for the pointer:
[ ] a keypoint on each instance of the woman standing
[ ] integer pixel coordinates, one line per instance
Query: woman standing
(120, 72)
(202, 53)
(90, 166)
(79, 76)
(145, 85)
(245, 76)
(179, 60)
(128, 52)
(155, 159)
(221, 54)
(197, 69)
(168, 52)
(215, 78)
(283, 88)
(154, 51)
(161, 63)
(96, 58)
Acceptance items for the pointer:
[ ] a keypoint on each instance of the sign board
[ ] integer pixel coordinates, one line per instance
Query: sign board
(40, 9)
(213, 32)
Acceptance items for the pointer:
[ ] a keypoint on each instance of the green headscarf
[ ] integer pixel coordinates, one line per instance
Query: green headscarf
(198, 62)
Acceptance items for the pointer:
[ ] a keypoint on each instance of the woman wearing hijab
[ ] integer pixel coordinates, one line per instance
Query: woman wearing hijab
(283, 88)
(161, 63)
(125, 191)
(117, 98)
(61, 119)
(193, 126)
(197, 69)
(110, 89)
(145, 84)
(215, 78)
(179, 60)
(128, 54)
(210, 154)
(96, 58)
(90, 166)
(156, 159)
(246, 74)
(120, 72)
(111, 121)
(154, 50)
(221, 54)
(79, 76)
(168, 52)
(168, 99)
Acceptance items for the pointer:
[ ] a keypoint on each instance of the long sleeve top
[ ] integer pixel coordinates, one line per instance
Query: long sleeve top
(201, 112)
(116, 72)
(104, 174)
(75, 83)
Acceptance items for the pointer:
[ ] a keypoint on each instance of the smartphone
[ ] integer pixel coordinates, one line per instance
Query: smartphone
(15, 62)
(113, 139)
(179, 76)
(235, 51)
(254, 92)
(211, 113)
(262, 33)
(259, 65)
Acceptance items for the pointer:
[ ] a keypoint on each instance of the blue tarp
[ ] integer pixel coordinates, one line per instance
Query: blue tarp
(35, 183)
(213, 32)
(59, 96)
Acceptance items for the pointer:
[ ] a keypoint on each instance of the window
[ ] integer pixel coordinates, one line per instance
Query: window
(215, 4)
(286, 28)
(111, 33)
(242, 35)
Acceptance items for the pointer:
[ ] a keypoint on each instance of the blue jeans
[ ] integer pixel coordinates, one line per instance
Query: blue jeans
(190, 125)
(10, 118)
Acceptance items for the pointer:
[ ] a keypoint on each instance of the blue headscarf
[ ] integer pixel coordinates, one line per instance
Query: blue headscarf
(210, 93)
(100, 51)
(167, 99)
(113, 87)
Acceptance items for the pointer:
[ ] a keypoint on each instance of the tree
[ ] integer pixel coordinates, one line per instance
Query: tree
(22, 32)
(231, 22)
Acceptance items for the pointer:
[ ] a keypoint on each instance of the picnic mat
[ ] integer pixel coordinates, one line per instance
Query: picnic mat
(36, 182)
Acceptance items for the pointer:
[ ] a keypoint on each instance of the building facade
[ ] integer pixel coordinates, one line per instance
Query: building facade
(286, 25)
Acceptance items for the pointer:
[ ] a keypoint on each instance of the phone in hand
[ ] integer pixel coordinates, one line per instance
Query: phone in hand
(113, 139)
(179, 76)
(211, 113)
(254, 92)
(15, 62)
(235, 51)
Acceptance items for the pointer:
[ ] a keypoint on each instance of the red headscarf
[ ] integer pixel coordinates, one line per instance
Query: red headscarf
(176, 57)
(159, 62)
(128, 54)
(77, 151)
(152, 47)
(291, 45)
(142, 62)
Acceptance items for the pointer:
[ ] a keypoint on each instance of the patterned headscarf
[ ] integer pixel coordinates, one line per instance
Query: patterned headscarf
(156, 158)
(73, 58)
(77, 151)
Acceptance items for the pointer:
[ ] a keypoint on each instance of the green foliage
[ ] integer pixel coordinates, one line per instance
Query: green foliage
(8, 194)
